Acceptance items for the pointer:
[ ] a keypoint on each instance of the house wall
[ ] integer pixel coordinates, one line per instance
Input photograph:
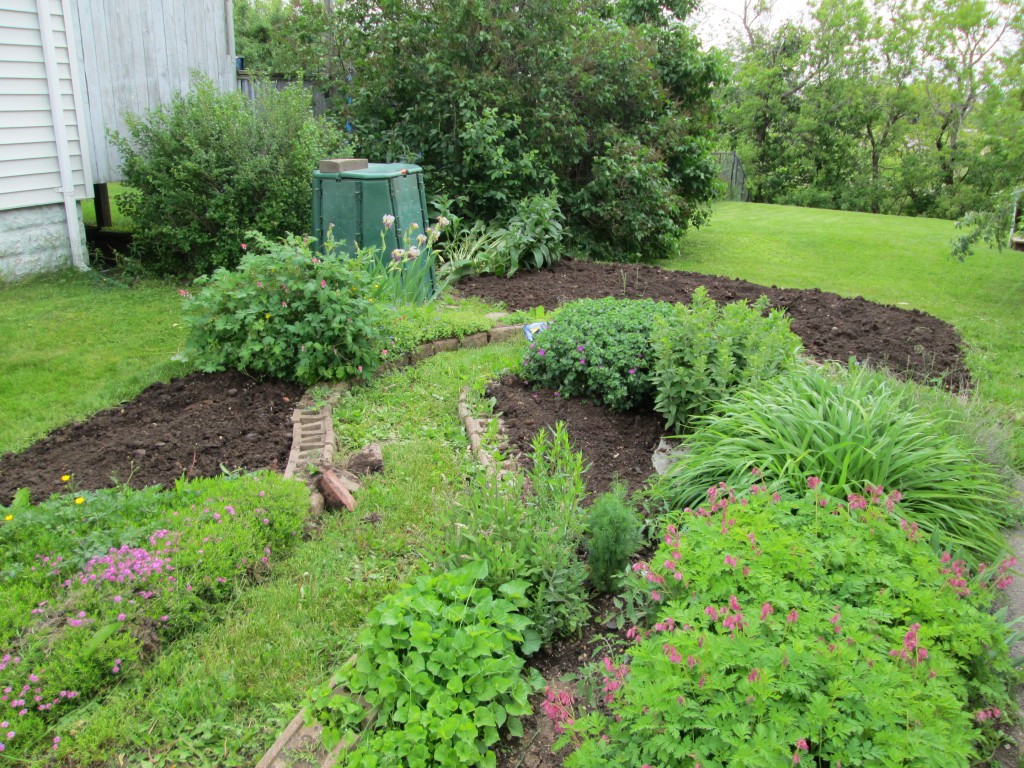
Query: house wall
(136, 55)
(40, 130)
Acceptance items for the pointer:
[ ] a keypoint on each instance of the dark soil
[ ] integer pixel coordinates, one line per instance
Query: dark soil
(616, 446)
(190, 427)
(906, 341)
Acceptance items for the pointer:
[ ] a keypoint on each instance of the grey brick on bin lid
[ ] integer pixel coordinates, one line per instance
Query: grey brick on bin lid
(340, 165)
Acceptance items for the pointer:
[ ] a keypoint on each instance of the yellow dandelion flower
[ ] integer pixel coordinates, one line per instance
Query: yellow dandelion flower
(9, 518)
(79, 500)
(266, 316)
(65, 478)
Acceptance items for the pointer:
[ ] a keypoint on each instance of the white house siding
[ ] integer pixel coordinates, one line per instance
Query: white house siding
(135, 54)
(31, 141)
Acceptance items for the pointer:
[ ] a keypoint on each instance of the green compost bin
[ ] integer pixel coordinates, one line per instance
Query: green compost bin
(355, 202)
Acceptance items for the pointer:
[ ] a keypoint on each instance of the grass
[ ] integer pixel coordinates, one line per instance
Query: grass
(119, 220)
(887, 259)
(75, 344)
(222, 697)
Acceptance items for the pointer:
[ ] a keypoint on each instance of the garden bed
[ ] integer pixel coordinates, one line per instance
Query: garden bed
(195, 426)
(832, 327)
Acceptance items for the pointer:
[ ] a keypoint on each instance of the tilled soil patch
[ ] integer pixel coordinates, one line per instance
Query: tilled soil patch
(832, 327)
(192, 427)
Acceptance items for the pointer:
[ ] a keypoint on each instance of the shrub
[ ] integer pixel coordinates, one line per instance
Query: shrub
(704, 351)
(210, 166)
(613, 537)
(601, 349)
(530, 535)
(784, 633)
(532, 236)
(609, 109)
(287, 312)
(439, 664)
(853, 430)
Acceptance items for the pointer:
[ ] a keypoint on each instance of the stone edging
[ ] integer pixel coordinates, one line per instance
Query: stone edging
(313, 443)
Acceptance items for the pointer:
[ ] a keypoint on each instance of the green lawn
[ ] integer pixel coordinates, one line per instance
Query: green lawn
(74, 344)
(120, 221)
(887, 259)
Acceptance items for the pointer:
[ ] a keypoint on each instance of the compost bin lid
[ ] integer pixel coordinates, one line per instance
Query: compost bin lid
(374, 171)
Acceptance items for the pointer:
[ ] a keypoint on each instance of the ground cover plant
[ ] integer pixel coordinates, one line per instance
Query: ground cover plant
(909, 263)
(874, 649)
(96, 584)
(600, 349)
(854, 431)
(58, 368)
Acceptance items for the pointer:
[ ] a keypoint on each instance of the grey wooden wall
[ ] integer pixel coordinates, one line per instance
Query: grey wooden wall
(135, 54)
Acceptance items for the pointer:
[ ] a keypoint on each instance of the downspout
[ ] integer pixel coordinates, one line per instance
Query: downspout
(67, 183)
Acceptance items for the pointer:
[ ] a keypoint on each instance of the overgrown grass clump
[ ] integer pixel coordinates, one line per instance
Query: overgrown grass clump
(853, 430)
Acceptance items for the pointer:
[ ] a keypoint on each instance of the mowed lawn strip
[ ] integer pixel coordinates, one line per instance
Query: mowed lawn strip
(73, 344)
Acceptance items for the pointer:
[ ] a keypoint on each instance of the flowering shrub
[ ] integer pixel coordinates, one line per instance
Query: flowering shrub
(601, 349)
(77, 616)
(287, 312)
(439, 665)
(532, 535)
(852, 430)
(784, 631)
(704, 351)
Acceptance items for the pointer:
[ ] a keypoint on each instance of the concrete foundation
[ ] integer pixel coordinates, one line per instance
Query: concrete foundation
(34, 240)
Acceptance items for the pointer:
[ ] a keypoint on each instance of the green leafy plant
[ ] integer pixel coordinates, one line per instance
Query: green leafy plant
(705, 350)
(210, 166)
(287, 312)
(439, 668)
(532, 236)
(601, 349)
(406, 274)
(785, 632)
(531, 535)
(415, 325)
(613, 537)
(851, 430)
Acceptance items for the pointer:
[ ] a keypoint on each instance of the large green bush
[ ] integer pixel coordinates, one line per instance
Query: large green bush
(209, 166)
(288, 312)
(853, 431)
(601, 349)
(706, 350)
(609, 105)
